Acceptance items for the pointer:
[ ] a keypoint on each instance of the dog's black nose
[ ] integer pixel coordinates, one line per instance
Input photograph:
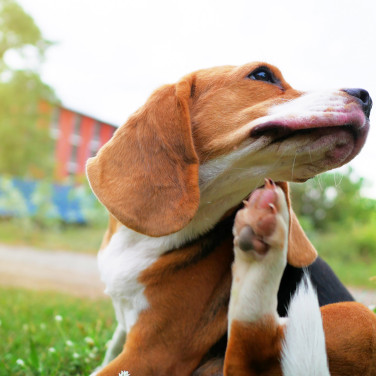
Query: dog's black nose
(363, 97)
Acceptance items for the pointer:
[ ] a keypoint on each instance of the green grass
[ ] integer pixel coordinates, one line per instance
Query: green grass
(355, 273)
(35, 342)
(352, 257)
(70, 237)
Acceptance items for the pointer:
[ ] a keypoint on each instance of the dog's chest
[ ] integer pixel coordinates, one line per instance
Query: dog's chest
(120, 264)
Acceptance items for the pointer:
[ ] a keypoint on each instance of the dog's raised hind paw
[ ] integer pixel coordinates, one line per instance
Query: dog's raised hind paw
(263, 222)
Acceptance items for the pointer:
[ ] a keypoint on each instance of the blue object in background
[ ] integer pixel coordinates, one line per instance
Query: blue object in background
(58, 201)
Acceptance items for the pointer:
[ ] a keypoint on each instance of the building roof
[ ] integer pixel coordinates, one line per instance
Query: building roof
(62, 106)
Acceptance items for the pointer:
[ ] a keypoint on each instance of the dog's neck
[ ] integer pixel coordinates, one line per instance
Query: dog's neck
(129, 253)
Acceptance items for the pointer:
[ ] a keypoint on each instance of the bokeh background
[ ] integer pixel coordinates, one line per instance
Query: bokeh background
(72, 71)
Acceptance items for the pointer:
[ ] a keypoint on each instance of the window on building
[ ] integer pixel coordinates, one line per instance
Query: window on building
(55, 127)
(97, 132)
(76, 131)
(73, 160)
(95, 142)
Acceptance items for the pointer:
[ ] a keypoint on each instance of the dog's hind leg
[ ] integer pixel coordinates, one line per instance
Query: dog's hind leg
(260, 246)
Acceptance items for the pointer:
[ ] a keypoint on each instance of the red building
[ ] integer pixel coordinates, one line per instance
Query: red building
(78, 137)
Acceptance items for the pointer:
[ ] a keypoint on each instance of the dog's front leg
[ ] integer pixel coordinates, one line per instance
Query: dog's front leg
(115, 347)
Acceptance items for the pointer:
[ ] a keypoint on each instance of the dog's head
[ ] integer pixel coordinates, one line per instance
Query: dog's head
(204, 143)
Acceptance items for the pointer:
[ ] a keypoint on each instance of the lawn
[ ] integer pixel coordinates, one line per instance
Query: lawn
(52, 334)
(354, 273)
(76, 238)
(352, 259)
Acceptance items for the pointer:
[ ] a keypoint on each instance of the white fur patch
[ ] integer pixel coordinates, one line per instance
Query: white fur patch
(120, 264)
(304, 352)
(308, 107)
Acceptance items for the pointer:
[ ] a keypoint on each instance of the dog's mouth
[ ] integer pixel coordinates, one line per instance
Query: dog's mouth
(340, 143)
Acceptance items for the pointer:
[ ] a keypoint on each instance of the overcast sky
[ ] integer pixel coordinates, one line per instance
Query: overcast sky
(110, 55)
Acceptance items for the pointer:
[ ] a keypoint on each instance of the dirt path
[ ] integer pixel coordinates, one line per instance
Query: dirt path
(74, 273)
(67, 272)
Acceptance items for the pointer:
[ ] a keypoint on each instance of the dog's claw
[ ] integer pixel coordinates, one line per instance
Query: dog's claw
(255, 224)
(269, 184)
(273, 208)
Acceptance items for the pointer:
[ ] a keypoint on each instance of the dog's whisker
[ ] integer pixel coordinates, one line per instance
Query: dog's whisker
(293, 165)
(337, 184)
(319, 182)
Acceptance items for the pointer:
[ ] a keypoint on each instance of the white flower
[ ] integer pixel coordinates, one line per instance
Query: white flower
(52, 350)
(124, 373)
(89, 340)
(76, 356)
(20, 362)
(58, 318)
(69, 343)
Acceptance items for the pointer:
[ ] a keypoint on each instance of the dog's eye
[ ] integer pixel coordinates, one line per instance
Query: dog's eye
(263, 74)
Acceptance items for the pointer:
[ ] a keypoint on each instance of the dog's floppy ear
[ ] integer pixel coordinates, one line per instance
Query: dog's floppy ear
(301, 252)
(147, 174)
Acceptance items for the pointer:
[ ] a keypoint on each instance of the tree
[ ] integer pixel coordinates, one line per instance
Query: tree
(25, 144)
(332, 199)
(339, 221)
(18, 30)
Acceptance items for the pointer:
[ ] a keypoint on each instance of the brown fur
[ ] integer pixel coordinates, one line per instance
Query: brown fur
(350, 332)
(254, 348)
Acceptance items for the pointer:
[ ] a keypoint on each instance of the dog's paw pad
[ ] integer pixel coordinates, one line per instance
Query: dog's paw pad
(247, 240)
(256, 224)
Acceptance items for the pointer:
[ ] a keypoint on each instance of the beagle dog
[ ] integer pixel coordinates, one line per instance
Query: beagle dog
(172, 179)
(341, 339)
